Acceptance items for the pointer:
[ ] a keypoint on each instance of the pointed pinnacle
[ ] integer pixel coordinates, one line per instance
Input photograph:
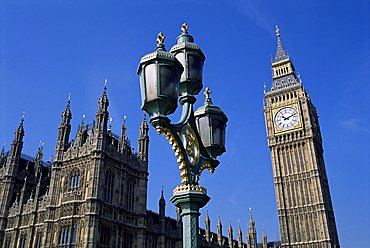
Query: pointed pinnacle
(277, 31)
(162, 192)
(22, 118)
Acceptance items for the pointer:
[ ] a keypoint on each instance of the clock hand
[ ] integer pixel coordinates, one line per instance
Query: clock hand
(289, 116)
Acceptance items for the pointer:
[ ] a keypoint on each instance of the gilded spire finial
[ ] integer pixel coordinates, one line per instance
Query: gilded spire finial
(277, 31)
(105, 84)
(207, 94)
(160, 38)
(184, 28)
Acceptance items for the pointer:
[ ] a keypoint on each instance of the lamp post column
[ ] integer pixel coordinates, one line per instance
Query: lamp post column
(190, 199)
(199, 137)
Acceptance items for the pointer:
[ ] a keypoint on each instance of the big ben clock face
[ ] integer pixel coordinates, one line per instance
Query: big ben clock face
(286, 118)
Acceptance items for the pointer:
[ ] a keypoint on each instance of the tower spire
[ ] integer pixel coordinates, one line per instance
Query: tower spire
(281, 54)
(38, 160)
(230, 235)
(252, 234)
(162, 204)
(101, 119)
(143, 141)
(240, 236)
(64, 130)
(219, 231)
(283, 71)
(17, 144)
(208, 227)
(264, 237)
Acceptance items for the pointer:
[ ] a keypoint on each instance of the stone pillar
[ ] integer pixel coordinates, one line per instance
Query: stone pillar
(190, 199)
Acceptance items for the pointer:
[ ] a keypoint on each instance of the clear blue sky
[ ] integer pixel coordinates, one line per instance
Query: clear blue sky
(51, 48)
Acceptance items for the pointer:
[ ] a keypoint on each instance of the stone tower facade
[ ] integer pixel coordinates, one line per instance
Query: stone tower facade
(305, 210)
(252, 233)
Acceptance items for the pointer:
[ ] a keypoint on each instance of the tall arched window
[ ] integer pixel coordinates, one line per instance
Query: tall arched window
(129, 195)
(67, 236)
(105, 235)
(108, 187)
(38, 240)
(22, 242)
(7, 243)
(75, 181)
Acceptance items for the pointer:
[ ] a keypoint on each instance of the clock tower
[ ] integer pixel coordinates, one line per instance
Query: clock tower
(305, 210)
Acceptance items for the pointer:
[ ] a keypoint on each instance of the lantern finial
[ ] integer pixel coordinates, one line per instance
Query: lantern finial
(184, 28)
(160, 38)
(207, 93)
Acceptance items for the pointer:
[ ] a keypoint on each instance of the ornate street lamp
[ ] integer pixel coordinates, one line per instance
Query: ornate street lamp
(198, 138)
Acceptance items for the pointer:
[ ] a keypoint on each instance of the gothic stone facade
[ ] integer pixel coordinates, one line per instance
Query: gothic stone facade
(305, 210)
(92, 195)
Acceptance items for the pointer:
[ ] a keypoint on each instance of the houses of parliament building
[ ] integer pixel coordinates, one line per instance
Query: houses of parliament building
(94, 192)
(92, 195)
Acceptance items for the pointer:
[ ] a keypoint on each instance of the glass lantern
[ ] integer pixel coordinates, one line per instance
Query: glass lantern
(159, 74)
(192, 59)
(211, 123)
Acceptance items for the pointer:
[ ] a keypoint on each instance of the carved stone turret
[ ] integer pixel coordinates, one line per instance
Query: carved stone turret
(264, 238)
(230, 235)
(64, 131)
(208, 227)
(219, 231)
(162, 221)
(15, 150)
(101, 120)
(240, 237)
(143, 141)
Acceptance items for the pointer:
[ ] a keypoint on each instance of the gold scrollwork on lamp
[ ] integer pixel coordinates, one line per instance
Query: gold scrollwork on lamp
(190, 143)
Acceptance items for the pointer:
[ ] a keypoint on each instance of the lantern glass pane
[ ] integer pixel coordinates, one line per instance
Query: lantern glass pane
(181, 58)
(216, 131)
(169, 79)
(204, 131)
(195, 67)
(151, 82)
(223, 135)
(142, 87)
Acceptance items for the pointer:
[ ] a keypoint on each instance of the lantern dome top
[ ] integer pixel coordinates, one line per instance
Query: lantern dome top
(185, 40)
(208, 107)
(160, 53)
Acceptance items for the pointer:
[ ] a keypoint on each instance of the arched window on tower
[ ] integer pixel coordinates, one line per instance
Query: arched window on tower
(67, 236)
(7, 243)
(129, 195)
(75, 181)
(38, 240)
(105, 237)
(108, 187)
(22, 242)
